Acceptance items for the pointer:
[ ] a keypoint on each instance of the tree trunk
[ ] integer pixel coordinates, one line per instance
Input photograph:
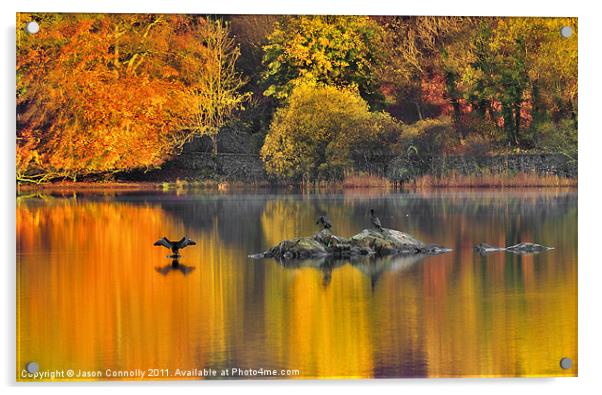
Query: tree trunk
(458, 117)
(516, 123)
(214, 143)
(418, 109)
(573, 112)
(454, 98)
(537, 107)
(508, 122)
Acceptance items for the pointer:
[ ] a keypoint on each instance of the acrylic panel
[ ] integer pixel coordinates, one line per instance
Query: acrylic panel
(295, 197)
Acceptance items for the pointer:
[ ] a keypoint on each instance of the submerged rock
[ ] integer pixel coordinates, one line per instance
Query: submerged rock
(521, 248)
(484, 248)
(434, 249)
(527, 248)
(366, 243)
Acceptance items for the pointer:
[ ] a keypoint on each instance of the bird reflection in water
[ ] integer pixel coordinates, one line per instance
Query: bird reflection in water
(174, 266)
(326, 276)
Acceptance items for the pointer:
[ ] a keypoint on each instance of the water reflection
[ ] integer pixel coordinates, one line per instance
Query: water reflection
(175, 266)
(372, 267)
(454, 314)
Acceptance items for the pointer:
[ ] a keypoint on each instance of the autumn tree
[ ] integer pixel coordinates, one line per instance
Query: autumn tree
(329, 50)
(417, 48)
(113, 92)
(553, 69)
(251, 34)
(521, 63)
(323, 131)
(513, 72)
(84, 105)
(217, 84)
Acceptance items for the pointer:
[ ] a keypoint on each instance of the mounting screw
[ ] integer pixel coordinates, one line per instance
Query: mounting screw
(566, 31)
(32, 27)
(32, 367)
(566, 363)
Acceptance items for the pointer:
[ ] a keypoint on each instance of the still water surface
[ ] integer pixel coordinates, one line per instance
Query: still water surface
(94, 294)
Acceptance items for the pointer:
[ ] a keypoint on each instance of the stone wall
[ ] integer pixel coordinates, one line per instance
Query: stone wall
(225, 166)
(249, 167)
(403, 169)
(237, 160)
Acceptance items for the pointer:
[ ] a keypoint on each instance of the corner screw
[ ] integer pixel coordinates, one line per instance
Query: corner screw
(566, 363)
(566, 31)
(32, 27)
(32, 367)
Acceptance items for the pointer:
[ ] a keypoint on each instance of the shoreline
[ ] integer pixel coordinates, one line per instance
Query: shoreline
(430, 183)
(225, 172)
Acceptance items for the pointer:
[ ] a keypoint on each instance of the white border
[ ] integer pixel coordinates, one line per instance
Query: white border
(590, 146)
(350, 7)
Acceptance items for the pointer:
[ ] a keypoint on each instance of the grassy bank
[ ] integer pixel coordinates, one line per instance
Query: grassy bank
(116, 186)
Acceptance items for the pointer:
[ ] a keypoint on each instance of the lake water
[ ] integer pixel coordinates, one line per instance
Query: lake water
(94, 294)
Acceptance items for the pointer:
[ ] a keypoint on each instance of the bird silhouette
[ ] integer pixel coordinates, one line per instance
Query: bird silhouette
(174, 246)
(375, 220)
(323, 221)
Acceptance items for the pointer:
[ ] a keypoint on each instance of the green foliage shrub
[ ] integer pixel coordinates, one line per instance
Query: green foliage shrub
(550, 138)
(419, 144)
(428, 138)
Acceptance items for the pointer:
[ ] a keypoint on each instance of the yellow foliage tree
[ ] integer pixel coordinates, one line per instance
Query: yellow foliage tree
(321, 132)
(217, 84)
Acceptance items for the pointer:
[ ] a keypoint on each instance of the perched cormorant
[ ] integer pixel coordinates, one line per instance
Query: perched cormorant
(375, 221)
(175, 246)
(324, 222)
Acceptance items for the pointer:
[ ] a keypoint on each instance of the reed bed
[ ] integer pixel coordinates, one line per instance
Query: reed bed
(491, 180)
(365, 181)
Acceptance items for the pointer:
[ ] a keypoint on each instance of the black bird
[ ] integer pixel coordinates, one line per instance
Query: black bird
(375, 220)
(324, 222)
(175, 246)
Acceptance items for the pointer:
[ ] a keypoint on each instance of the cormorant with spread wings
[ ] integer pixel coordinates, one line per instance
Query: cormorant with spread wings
(175, 246)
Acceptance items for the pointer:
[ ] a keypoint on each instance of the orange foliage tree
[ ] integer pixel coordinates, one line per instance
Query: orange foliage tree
(106, 93)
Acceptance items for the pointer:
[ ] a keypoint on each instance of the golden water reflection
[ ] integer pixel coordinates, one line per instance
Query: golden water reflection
(94, 294)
